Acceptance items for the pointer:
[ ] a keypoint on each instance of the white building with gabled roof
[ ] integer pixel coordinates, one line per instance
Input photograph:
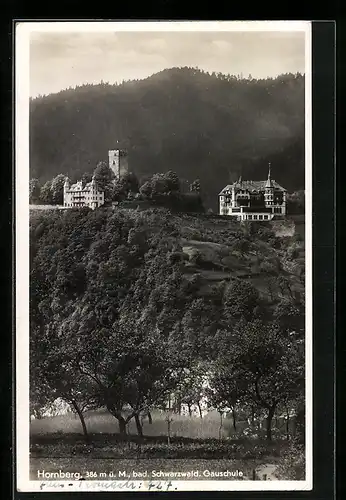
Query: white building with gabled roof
(253, 200)
(83, 195)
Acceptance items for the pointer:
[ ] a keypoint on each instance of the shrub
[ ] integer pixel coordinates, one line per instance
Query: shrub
(196, 257)
(292, 463)
(196, 235)
(156, 447)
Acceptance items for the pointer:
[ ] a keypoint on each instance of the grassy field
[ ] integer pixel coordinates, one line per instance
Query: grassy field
(102, 422)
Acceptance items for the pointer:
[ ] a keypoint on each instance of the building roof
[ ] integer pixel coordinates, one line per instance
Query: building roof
(78, 186)
(251, 186)
(81, 189)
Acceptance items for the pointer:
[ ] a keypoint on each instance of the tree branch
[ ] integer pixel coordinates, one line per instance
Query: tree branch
(259, 397)
(93, 377)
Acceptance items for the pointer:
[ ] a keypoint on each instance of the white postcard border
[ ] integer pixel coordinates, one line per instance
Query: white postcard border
(22, 68)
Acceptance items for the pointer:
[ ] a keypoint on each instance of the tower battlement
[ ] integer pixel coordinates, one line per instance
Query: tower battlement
(118, 162)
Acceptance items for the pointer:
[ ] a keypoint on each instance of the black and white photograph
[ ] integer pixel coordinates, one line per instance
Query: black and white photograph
(163, 256)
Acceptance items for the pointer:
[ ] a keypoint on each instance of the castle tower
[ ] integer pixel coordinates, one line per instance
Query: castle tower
(118, 162)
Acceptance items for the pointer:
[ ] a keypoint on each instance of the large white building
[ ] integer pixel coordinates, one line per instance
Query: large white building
(79, 195)
(253, 200)
(88, 195)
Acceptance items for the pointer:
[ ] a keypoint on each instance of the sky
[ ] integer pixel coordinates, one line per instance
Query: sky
(59, 60)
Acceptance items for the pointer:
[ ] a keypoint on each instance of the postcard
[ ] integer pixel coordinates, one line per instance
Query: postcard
(163, 256)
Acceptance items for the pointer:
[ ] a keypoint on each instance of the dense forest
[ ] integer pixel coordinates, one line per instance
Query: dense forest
(128, 306)
(207, 126)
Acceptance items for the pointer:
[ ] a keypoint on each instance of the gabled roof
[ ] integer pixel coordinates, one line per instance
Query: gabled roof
(87, 187)
(251, 186)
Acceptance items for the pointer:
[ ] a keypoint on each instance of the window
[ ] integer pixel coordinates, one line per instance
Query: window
(255, 217)
(265, 217)
(250, 217)
(260, 217)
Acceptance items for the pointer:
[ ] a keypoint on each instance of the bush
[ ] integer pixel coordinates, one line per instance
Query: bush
(292, 463)
(157, 447)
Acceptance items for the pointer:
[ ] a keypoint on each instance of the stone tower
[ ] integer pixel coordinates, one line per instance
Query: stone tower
(118, 162)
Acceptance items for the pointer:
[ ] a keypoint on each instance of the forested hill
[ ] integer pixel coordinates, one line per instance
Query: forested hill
(132, 299)
(200, 125)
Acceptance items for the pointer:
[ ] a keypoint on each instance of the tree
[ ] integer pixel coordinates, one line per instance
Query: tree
(86, 178)
(173, 182)
(195, 186)
(192, 388)
(104, 178)
(269, 267)
(261, 367)
(290, 315)
(57, 189)
(241, 245)
(296, 202)
(52, 376)
(131, 182)
(161, 188)
(100, 307)
(126, 186)
(127, 369)
(46, 196)
(240, 300)
(226, 393)
(285, 286)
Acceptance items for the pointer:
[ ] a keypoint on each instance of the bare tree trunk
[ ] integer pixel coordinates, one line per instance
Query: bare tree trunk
(150, 420)
(221, 425)
(122, 425)
(139, 425)
(287, 424)
(234, 419)
(300, 424)
(179, 405)
(252, 416)
(190, 411)
(200, 409)
(122, 421)
(81, 418)
(169, 421)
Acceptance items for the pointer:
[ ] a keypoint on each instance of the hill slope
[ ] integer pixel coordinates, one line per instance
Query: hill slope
(210, 127)
(206, 250)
